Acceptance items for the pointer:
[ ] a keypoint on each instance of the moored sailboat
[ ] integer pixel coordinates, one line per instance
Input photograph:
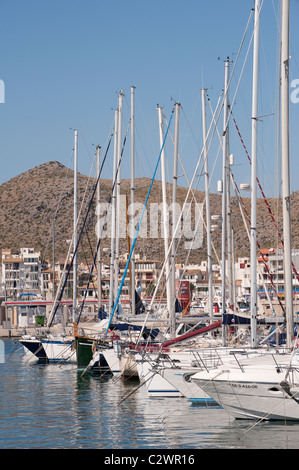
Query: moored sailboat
(267, 388)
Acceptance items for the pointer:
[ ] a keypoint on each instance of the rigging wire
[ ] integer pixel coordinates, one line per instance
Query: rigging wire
(244, 210)
(197, 166)
(59, 297)
(100, 237)
(60, 199)
(137, 230)
(266, 201)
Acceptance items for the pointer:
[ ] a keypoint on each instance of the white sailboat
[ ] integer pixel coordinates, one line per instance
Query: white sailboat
(52, 346)
(162, 377)
(61, 347)
(167, 375)
(157, 385)
(266, 388)
(33, 348)
(180, 378)
(152, 368)
(179, 366)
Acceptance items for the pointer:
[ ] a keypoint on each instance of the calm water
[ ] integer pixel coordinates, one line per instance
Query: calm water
(55, 407)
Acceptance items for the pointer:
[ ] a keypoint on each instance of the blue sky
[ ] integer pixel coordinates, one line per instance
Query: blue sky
(64, 62)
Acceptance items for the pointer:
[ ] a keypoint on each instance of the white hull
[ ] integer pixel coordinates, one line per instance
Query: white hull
(156, 385)
(153, 368)
(128, 366)
(257, 392)
(59, 349)
(191, 360)
(180, 378)
(112, 358)
(121, 362)
(50, 348)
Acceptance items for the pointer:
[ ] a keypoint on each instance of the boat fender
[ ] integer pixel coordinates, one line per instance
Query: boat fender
(187, 376)
(287, 388)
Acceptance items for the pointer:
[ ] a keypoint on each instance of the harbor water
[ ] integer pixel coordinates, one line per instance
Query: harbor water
(52, 406)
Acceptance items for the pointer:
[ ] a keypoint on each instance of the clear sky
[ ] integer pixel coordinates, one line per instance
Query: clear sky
(64, 62)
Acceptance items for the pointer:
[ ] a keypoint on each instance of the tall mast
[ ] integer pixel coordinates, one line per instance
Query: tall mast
(224, 191)
(288, 281)
(253, 250)
(132, 194)
(75, 227)
(208, 214)
(113, 206)
(98, 254)
(165, 215)
(117, 235)
(229, 224)
(174, 220)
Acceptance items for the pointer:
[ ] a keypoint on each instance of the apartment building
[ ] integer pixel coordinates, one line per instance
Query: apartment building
(21, 272)
(146, 275)
(242, 277)
(275, 268)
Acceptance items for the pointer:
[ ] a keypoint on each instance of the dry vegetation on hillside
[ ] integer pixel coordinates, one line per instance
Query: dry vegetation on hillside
(30, 202)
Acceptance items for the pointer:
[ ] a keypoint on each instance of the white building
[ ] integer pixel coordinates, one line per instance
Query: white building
(275, 268)
(242, 277)
(21, 272)
(270, 272)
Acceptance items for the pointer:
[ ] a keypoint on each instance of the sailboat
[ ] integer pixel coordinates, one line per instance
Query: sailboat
(152, 368)
(61, 346)
(149, 364)
(178, 367)
(121, 359)
(51, 346)
(267, 388)
(33, 348)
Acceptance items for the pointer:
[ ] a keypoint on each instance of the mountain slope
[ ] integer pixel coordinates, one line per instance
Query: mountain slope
(31, 202)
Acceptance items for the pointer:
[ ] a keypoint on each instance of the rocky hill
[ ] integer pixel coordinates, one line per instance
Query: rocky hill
(42, 198)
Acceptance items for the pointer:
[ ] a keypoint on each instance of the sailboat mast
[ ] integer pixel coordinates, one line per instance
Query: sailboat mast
(98, 253)
(116, 261)
(75, 267)
(288, 281)
(254, 121)
(113, 206)
(208, 214)
(230, 298)
(165, 215)
(133, 193)
(174, 220)
(224, 192)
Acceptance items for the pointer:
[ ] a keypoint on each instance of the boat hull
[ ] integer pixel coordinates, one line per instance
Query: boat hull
(264, 397)
(156, 385)
(181, 380)
(84, 351)
(85, 348)
(59, 350)
(112, 358)
(34, 349)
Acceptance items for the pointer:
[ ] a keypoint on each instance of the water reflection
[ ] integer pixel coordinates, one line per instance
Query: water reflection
(54, 406)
